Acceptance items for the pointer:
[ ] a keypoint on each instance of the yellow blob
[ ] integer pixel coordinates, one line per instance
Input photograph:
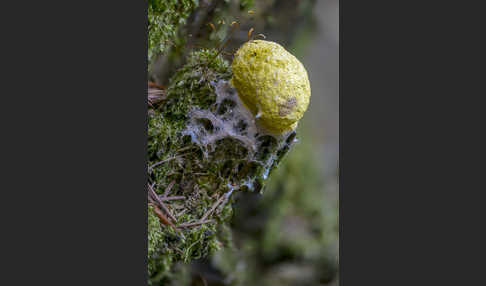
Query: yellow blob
(272, 83)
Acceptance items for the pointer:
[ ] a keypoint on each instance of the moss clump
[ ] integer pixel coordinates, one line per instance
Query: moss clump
(203, 146)
(288, 235)
(155, 238)
(164, 17)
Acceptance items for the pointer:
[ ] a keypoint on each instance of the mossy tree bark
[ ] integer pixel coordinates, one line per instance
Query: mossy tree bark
(203, 146)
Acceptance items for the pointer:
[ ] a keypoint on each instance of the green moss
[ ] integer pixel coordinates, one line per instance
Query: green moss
(286, 236)
(164, 18)
(246, 4)
(193, 143)
(155, 232)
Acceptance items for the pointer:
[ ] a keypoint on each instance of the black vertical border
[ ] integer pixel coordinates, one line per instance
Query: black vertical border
(411, 143)
(74, 119)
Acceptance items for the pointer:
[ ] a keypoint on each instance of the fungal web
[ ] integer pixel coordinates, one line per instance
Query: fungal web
(228, 121)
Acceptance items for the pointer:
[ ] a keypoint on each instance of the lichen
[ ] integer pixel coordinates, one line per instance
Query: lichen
(203, 146)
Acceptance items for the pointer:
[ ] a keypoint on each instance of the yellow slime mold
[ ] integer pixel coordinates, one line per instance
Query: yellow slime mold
(272, 83)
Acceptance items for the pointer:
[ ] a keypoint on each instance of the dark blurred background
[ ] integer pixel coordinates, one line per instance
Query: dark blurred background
(289, 235)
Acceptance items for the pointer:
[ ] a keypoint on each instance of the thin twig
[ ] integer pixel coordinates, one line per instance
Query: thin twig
(150, 200)
(166, 160)
(162, 217)
(177, 206)
(181, 213)
(161, 162)
(156, 197)
(185, 148)
(153, 84)
(173, 198)
(167, 190)
(155, 95)
(215, 205)
(195, 223)
(165, 220)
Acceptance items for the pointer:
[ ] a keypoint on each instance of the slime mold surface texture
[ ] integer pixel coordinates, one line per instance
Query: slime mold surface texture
(272, 83)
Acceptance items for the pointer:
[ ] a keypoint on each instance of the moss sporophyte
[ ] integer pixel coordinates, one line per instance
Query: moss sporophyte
(208, 140)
